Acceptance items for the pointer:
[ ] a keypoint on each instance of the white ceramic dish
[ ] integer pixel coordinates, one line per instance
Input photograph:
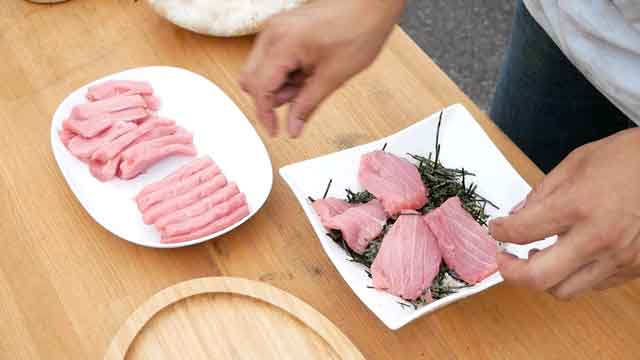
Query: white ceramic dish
(463, 144)
(220, 130)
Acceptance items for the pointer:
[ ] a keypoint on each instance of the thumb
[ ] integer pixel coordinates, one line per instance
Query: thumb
(315, 89)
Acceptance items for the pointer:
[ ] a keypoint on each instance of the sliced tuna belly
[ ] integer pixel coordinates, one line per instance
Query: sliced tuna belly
(329, 207)
(178, 188)
(466, 246)
(359, 224)
(95, 125)
(109, 105)
(138, 158)
(83, 148)
(199, 207)
(182, 201)
(212, 228)
(65, 136)
(112, 88)
(182, 173)
(393, 180)
(153, 102)
(110, 150)
(197, 222)
(131, 168)
(408, 260)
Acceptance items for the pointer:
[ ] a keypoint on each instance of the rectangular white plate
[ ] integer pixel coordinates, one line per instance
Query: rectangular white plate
(463, 144)
(219, 129)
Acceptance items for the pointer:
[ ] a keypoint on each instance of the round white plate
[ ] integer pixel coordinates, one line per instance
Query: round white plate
(220, 130)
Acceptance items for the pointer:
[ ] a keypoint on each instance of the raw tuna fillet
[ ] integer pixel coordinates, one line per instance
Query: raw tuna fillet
(198, 207)
(359, 224)
(393, 180)
(110, 150)
(466, 246)
(112, 88)
(218, 225)
(197, 222)
(329, 207)
(84, 148)
(153, 102)
(112, 104)
(182, 173)
(178, 188)
(99, 123)
(182, 201)
(132, 167)
(408, 260)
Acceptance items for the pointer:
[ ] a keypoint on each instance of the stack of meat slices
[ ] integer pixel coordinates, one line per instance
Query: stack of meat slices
(193, 202)
(117, 134)
(412, 250)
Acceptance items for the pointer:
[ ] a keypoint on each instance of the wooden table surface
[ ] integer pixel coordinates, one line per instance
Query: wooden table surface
(66, 284)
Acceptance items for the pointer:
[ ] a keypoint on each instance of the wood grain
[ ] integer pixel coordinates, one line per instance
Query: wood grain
(223, 317)
(67, 285)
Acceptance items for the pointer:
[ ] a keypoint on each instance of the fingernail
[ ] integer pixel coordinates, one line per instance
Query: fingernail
(295, 127)
(519, 206)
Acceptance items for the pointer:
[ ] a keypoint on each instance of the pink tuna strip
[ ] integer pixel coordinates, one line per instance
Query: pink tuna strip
(466, 246)
(95, 125)
(65, 136)
(329, 207)
(84, 148)
(112, 104)
(393, 180)
(153, 102)
(408, 260)
(215, 213)
(112, 88)
(212, 228)
(179, 202)
(198, 207)
(105, 171)
(359, 224)
(110, 150)
(178, 188)
(182, 173)
(141, 149)
(132, 167)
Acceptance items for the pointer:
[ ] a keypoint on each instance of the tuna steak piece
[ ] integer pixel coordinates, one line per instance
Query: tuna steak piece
(408, 260)
(359, 224)
(393, 180)
(83, 148)
(95, 125)
(329, 207)
(466, 246)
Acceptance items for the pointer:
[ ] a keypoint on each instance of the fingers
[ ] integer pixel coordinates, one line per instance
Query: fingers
(613, 281)
(585, 279)
(536, 221)
(546, 268)
(266, 72)
(286, 94)
(315, 90)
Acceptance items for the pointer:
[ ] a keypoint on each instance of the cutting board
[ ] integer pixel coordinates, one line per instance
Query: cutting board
(228, 318)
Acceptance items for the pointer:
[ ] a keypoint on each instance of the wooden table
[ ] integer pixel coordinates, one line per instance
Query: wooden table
(66, 284)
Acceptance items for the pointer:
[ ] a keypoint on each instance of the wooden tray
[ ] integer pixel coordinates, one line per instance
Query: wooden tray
(228, 318)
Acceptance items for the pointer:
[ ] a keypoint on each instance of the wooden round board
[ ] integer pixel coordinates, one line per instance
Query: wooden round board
(228, 318)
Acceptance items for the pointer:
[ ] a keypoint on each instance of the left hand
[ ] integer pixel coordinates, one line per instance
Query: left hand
(592, 202)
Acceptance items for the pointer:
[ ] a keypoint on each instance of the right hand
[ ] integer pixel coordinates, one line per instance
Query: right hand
(303, 55)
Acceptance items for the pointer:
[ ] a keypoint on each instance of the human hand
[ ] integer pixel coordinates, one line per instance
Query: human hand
(591, 201)
(303, 55)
